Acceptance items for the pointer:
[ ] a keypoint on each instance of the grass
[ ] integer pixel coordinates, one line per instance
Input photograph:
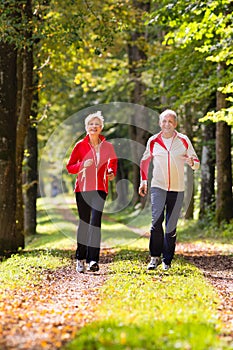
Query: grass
(140, 310)
(48, 250)
(28, 267)
(153, 310)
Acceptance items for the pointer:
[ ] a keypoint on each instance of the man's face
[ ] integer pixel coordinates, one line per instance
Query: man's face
(168, 124)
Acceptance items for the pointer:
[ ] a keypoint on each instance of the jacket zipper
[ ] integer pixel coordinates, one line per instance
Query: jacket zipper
(96, 165)
(169, 163)
(169, 173)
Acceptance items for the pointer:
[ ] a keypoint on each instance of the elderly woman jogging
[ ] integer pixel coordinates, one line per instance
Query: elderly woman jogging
(94, 161)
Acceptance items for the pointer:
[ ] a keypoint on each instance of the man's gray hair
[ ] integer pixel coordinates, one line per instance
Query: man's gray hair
(168, 112)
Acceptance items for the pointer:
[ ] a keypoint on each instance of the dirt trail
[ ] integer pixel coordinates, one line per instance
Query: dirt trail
(49, 315)
(216, 263)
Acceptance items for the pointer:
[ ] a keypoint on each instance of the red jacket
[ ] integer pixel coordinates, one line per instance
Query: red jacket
(93, 177)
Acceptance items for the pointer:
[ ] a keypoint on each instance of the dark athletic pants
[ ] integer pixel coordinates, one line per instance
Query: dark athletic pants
(90, 206)
(170, 202)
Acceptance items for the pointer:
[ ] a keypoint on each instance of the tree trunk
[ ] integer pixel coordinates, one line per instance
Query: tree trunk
(189, 193)
(224, 201)
(189, 183)
(122, 185)
(24, 108)
(10, 238)
(31, 184)
(208, 161)
(137, 57)
(31, 171)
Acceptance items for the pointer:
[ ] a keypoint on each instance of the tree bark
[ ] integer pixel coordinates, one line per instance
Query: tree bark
(31, 170)
(10, 238)
(137, 57)
(189, 183)
(208, 161)
(25, 78)
(31, 184)
(224, 201)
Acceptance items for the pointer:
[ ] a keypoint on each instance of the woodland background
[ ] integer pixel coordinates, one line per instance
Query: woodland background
(58, 57)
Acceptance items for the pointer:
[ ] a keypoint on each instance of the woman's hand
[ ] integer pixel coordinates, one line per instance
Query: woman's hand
(110, 176)
(88, 163)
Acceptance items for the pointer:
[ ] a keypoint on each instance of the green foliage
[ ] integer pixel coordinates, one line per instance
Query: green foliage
(225, 115)
(197, 38)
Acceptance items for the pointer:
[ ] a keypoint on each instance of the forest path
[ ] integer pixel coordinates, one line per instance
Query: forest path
(48, 315)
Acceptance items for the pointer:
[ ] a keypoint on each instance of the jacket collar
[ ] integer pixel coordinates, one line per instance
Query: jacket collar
(87, 138)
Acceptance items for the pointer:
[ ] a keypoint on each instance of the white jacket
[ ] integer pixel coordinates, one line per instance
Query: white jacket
(168, 164)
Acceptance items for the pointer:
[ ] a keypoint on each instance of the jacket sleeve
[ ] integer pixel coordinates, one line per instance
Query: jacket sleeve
(74, 163)
(112, 162)
(191, 153)
(145, 162)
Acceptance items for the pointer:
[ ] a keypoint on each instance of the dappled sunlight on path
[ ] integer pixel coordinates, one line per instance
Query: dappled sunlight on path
(216, 263)
(48, 315)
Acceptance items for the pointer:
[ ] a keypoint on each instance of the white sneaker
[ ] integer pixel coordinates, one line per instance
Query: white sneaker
(154, 262)
(93, 266)
(80, 267)
(165, 266)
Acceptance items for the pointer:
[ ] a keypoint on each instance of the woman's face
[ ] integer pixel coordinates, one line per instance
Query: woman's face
(94, 126)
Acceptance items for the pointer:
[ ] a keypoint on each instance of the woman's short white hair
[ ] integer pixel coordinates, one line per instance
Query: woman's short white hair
(94, 115)
(168, 112)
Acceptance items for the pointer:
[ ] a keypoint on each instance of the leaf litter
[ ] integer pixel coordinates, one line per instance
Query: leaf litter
(48, 315)
(216, 264)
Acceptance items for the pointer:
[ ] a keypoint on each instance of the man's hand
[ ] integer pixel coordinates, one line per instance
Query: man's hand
(142, 190)
(189, 161)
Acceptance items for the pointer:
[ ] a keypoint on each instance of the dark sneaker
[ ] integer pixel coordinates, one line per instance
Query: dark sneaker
(93, 266)
(154, 262)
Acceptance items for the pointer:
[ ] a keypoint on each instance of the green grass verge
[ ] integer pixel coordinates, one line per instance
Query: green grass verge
(153, 310)
(28, 267)
(50, 249)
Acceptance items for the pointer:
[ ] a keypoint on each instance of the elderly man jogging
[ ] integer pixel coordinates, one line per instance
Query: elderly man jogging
(169, 150)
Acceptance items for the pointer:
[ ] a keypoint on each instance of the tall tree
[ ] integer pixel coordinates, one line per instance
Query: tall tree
(31, 180)
(224, 202)
(16, 33)
(190, 188)
(137, 57)
(208, 161)
(25, 91)
(10, 238)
